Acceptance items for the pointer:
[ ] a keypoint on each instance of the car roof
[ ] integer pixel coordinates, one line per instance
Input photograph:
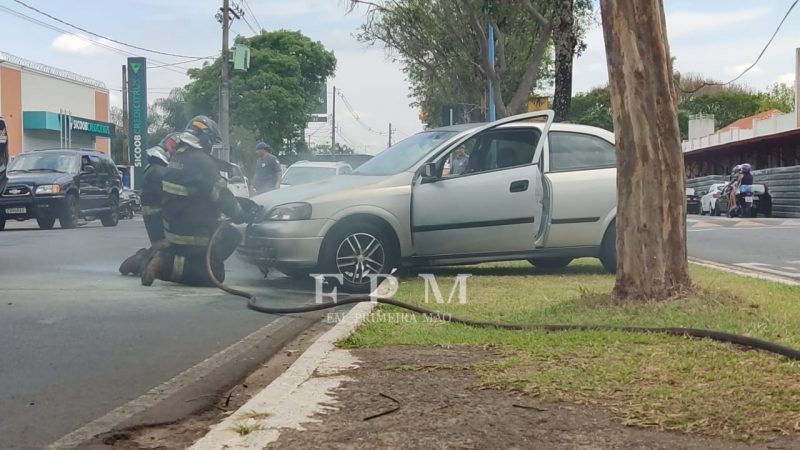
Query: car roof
(556, 126)
(86, 151)
(329, 164)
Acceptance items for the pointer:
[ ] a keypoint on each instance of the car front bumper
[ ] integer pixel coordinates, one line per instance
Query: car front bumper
(49, 205)
(287, 244)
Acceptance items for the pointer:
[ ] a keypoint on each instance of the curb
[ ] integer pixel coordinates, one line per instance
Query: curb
(295, 396)
(744, 272)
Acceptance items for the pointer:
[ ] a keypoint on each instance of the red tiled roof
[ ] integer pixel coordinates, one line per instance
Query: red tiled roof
(747, 122)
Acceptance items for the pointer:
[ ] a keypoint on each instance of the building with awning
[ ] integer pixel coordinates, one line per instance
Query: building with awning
(46, 107)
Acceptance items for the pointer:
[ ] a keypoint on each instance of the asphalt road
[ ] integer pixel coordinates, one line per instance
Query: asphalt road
(771, 246)
(78, 340)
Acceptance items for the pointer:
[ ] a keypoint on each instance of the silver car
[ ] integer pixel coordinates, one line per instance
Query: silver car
(529, 190)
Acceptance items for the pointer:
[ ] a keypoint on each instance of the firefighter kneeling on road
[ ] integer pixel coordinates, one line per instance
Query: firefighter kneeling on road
(158, 159)
(194, 194)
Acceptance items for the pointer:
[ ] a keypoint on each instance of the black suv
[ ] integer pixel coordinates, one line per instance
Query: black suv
(63, 184)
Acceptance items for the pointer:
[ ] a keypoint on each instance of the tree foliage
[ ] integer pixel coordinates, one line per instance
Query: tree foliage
(326, 149)
(727, 103)
(443, 46)
(275, 95)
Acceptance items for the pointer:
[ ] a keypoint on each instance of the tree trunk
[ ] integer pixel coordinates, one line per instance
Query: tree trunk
(565, 43)
(651, 205)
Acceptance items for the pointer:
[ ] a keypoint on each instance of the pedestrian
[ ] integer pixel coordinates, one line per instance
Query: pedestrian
(194, 196)
(158, 160)
(268, 169)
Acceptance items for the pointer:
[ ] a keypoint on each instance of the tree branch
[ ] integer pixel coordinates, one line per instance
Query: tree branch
(534, 13)
(531, 73)
(502, 65)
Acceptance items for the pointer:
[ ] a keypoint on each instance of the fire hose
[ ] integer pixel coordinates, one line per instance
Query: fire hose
(699, 333)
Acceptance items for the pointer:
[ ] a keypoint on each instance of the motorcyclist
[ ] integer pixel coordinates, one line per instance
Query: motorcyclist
(733, 186)
(194, 195)
(158, 160)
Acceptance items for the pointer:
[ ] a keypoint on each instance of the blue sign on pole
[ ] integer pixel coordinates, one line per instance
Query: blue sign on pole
(137, 117)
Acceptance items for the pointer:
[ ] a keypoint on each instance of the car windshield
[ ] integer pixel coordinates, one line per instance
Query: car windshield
(404, 154)
(302, 175)
(44, 162)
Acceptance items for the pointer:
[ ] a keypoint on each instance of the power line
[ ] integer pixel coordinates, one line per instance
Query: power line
(61, 30)
(106, 37)
(353, 113)
(252, 14)
(249, 26)
(760, 55)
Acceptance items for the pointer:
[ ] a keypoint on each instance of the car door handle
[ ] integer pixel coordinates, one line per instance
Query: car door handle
(519, 186)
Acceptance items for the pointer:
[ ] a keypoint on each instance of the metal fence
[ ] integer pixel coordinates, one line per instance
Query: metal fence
(783, 184)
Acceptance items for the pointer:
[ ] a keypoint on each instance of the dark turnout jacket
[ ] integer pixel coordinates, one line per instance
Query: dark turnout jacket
(194, 196)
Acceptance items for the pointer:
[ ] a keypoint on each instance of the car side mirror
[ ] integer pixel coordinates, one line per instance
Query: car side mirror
(88, 170)
(428, 173)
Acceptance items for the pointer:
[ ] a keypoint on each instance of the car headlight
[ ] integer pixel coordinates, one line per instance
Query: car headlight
(290, 211)
(47, 189)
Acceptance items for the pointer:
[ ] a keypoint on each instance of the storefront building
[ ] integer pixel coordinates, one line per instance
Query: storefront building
(45, 107)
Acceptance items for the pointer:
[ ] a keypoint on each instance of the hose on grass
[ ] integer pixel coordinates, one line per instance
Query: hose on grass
(699, 333)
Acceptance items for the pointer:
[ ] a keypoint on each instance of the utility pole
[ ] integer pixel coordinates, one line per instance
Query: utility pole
(492, 108)
(224, 99)
(333, 122)
(390, 134)
(125, 160)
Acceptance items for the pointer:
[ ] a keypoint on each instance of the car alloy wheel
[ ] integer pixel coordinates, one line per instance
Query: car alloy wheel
(358, 256)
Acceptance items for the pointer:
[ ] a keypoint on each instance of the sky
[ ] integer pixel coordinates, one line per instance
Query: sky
(716, 38)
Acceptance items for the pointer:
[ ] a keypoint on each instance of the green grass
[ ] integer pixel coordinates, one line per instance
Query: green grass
(243, 429)
(646, 380)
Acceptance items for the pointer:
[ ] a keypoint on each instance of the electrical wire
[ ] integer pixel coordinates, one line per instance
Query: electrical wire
(252, 14)
(108, 38)
(93, 42)
(760, 55)
(249, 26)
(355, 115)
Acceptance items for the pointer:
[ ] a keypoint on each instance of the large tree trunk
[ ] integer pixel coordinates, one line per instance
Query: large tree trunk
(565, 43)
(651, 206)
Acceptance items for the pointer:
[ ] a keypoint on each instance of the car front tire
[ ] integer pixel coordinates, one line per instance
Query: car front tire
(111, 218)
(69, 213)
(46, 222)
(356, 251)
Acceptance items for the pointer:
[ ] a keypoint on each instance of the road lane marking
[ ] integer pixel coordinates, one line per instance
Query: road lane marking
(748, 223)
(706, 225)
(758, 274)
(771, 269)
(202, 369)
(761, 229)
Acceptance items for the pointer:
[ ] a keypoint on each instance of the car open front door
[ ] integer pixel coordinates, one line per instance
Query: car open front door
(491, 201)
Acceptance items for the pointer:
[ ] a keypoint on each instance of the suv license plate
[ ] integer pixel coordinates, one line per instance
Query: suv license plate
(16, 210)
(748, 199)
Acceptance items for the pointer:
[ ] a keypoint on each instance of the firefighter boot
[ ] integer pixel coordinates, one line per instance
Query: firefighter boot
(133, 264)
(156, 267)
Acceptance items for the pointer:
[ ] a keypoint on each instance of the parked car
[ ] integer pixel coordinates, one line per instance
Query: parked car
(708, 202)
(129, 203)
(63, 184)
(237, 182)
(762, 201)
(692, 202)
(303, 172)
(533, 190)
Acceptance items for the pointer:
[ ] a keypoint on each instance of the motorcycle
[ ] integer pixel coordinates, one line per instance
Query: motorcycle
(129, 204)
(744, 206)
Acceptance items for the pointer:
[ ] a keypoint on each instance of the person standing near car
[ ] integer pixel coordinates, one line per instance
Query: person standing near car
(268, 169)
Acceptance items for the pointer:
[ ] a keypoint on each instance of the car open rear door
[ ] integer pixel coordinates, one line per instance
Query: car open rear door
(495, 206)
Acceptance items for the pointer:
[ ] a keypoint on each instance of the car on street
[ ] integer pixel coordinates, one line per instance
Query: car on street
(708, 202)
(692, 202)
(303, 172)
(762, 201)
(63, 184)
(237, 181)
(532, 190)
